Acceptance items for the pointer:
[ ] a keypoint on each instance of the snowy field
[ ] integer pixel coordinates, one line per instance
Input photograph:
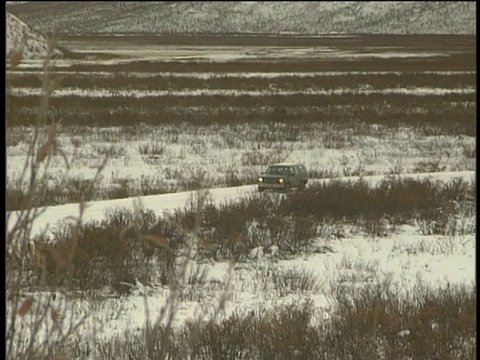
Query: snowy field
(404, 260)
(149, 158)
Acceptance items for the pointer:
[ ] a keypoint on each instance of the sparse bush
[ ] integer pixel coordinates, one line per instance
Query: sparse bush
(395, 200)
(231, 230)
(429, 166)
(253, 158)
(112, 151)
(374, 322)
(470, 151)
(327, 173)
(367, 323)
(292, 281)
(233, 178)
(194, 179)
(151, 149)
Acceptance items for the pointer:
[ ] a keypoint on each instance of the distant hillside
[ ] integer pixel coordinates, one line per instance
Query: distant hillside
(276, 17)
(23, 38)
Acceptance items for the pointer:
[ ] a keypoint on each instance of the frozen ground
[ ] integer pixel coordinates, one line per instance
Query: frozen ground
(403, 260)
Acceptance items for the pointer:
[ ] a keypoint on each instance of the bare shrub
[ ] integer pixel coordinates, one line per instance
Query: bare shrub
(378, 209)
(254, 158)
(453, 214)
(278, 130)
(151, 186)
(302, 232)
(281, 333)
(116, 250)
(377, 225)
(429, 166)
(233, 177)
(469, 151)
(398, 168)
(338, 139)
(375, 323)
(293, 281)
(194, 179)
(368, 322)
(112, 151)
(151, 149)
(232, 230)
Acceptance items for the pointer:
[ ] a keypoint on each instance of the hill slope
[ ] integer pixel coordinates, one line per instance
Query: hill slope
(397, 17)
(23, 38)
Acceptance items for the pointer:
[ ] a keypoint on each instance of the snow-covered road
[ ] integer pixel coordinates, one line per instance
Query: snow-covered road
(168, 202)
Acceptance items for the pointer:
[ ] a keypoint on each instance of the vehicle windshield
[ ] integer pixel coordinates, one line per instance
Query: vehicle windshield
(277, 170)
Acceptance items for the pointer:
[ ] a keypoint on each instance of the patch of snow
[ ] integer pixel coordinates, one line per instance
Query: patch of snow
(105, 93)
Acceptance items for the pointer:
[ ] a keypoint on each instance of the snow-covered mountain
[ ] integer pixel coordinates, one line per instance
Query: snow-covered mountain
(21, 37)
(276, 17)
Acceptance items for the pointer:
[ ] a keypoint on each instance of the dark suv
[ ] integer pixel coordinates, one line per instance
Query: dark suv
(283, 177)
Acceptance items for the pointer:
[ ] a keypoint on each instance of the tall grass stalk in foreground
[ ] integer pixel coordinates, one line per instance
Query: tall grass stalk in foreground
(40, 318)
(37, 321)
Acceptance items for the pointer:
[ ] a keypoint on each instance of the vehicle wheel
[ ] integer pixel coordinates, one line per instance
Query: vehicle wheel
(301, 187)
(287, 187)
